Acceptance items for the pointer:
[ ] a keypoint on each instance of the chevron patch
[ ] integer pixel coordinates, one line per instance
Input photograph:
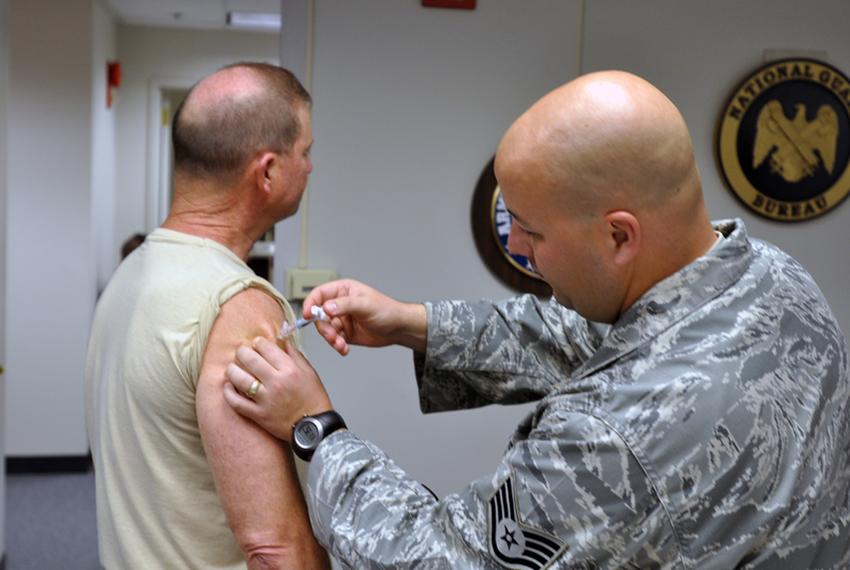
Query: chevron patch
(514, 544)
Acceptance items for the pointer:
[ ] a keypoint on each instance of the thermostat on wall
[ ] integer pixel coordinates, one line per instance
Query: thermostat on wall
(299, 282)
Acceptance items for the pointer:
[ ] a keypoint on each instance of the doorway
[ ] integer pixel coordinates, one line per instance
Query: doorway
(170, 100)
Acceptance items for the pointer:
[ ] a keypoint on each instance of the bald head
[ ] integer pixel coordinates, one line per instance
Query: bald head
(605, 140)
(604, 190)
(232, 115)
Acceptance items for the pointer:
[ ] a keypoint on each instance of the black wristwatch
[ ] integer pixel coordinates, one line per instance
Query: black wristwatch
(309, 432)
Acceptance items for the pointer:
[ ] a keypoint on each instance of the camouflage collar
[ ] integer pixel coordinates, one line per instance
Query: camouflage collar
(677, 296)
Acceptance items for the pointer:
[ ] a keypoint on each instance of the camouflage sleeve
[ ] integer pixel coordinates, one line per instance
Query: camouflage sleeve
(570, 495)
(509, 352)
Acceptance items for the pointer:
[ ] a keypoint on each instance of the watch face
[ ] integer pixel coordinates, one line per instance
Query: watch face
(307, 433)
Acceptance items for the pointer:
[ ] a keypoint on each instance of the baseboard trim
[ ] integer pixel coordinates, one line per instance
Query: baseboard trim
(49, 464)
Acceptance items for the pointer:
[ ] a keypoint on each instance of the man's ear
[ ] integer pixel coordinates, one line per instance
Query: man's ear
(263, 171)
(624, 236)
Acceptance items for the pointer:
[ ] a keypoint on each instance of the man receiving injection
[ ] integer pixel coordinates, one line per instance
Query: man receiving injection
(182, 481)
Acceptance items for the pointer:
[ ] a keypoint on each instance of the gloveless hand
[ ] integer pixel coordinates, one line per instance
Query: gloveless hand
(361, 315)
(289, 389)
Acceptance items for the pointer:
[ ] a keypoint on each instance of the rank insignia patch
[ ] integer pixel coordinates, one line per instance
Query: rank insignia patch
(512, 543)
(784, 140)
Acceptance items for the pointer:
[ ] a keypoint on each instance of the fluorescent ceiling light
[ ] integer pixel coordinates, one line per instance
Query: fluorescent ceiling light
(254, 20)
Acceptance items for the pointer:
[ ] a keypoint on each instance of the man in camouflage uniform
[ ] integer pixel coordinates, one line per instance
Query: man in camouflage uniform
(692, 383)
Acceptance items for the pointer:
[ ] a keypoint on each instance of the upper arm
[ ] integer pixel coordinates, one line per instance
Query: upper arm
(254, 473)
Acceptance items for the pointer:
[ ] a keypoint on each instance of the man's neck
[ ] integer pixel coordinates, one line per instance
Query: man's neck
(217, 217)
(666, 261)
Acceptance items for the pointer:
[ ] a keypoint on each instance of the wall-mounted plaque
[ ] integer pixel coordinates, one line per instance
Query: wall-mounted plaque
(784, 140)
(491, 224)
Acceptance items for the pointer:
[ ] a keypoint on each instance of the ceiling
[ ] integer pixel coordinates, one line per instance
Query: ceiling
(208, 14)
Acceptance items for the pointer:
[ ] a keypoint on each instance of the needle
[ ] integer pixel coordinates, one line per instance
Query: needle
(316, 314)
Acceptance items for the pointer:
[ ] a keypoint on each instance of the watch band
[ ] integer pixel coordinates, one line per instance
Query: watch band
(309, 432)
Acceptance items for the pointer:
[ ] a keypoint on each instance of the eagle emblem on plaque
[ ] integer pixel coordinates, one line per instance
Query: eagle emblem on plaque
(796, 147)
(784, 140)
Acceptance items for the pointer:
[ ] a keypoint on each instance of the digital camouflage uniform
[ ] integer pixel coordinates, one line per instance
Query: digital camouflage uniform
(707, 429)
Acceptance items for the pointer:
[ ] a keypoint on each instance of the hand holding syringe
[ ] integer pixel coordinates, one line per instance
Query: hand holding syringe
(287, 329)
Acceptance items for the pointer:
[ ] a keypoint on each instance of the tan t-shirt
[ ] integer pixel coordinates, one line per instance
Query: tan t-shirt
(157, 505)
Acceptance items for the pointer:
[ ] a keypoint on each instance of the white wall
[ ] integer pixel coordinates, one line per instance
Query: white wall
(50, 259)
(697, 52)
(104, 49)
(172, 58)
(4, 86)
(410, 104)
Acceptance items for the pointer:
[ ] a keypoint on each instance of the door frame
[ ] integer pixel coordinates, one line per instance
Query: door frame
(156, 188)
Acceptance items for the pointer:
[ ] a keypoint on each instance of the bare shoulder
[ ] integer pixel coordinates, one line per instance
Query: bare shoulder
(253, 312)
(253, 305)
(248, 314)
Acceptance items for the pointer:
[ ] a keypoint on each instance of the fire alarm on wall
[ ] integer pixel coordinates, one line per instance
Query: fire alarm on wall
(113, 80)
(459, 4)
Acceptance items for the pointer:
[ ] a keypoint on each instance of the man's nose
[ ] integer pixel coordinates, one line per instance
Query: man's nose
(517, 241)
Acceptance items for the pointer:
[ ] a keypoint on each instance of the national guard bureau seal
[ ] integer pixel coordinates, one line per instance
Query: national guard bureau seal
(784, 140)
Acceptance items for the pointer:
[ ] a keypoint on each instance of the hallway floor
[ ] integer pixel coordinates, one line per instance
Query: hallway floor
(50, 522)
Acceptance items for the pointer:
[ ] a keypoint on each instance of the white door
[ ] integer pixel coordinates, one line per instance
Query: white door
(170, 100)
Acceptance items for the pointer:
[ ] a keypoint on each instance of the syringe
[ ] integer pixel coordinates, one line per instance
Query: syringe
(317, 314)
